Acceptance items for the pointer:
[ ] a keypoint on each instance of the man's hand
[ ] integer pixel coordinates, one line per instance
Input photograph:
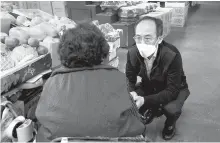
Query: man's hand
(138, 99)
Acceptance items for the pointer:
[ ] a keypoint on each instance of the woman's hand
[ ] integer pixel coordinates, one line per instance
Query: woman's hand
(139, 100)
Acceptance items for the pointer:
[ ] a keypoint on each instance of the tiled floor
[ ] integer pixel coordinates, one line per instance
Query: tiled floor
(199, 44)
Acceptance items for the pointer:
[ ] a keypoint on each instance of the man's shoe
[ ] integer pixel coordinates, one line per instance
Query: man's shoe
(168, 132)
(148, 116)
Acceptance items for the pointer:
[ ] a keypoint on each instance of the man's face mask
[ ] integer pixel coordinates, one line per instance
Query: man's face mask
(145, 49)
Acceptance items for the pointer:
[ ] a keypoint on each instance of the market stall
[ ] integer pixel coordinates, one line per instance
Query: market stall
(30, 33)
(29, 42)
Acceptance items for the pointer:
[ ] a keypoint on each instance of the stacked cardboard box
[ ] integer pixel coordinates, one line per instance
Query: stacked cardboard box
(167, 19)
(132, 13)
(179, 14)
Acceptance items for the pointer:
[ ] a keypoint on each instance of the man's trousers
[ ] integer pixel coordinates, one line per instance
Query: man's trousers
(172, 110)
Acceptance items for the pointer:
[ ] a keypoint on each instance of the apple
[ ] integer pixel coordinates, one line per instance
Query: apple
(11, 42)
(33, 42)
(20, 20)
(41, 50)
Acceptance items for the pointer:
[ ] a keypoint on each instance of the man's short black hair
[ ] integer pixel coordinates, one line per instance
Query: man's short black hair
(158, 22)
(83, 46)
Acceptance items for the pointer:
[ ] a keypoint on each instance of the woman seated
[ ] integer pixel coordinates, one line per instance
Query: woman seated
(85, 96)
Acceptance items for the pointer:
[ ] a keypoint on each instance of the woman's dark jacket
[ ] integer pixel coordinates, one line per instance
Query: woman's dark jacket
(83, 102)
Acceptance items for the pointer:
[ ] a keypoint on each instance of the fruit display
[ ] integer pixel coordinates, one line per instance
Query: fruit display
(43, 34)
(37, 33)
(130, 3)
(33, 42)
(6, 61)
(131, 11)
(109, 32)
(33, 14)
(62, 24)
(13, 54)
(21, 20)
(115, 5)
(41, 50)
(136, 10)
(22, 44)
(23, 53)
(20, 33)
(49, 29)
(13, 77)
(11, 43)
(36, 20)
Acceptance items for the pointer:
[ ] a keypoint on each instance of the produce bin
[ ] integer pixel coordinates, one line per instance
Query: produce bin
(31, 13)
(19, 74)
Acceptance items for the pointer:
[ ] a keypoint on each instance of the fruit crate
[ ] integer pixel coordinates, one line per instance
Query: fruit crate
(15, 16)
(31, 13)
(15, 76)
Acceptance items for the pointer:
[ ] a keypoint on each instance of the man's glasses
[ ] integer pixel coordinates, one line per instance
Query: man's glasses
(146, 39)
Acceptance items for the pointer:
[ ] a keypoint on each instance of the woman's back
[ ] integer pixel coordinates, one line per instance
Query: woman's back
(88, 102)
